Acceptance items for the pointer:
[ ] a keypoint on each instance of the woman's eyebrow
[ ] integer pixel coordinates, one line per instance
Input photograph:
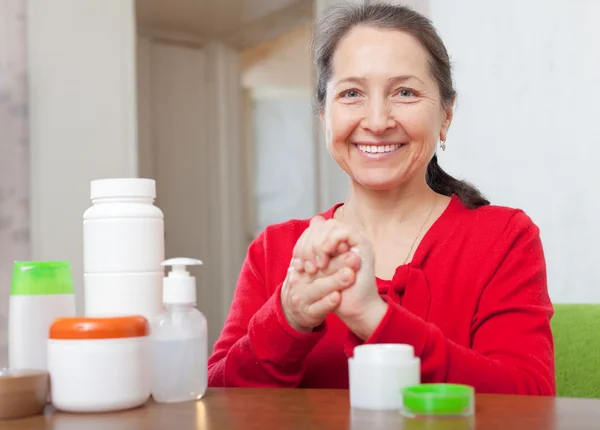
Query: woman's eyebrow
(362, 80)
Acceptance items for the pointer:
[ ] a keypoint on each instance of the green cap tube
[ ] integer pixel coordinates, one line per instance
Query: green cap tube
(31, 278)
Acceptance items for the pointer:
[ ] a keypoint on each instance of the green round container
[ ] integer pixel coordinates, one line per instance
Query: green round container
(438, 400)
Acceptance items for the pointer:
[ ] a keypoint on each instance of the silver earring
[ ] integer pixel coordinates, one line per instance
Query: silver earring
(443, 145)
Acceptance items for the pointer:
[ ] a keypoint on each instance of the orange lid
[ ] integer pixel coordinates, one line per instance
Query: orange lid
(99, 328)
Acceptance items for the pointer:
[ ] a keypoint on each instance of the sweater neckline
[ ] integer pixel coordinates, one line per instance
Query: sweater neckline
(441, 227)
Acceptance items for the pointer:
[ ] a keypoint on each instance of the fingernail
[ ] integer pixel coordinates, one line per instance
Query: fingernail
(298, 265)
(309, 267)
(345, 275)
(319, 261)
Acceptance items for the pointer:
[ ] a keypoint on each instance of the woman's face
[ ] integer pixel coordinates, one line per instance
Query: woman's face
(383, 116)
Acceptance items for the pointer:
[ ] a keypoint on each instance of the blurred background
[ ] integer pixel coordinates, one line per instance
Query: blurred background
(212, 98)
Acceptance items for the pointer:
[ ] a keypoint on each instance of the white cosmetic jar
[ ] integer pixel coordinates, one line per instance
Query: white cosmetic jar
(99, 364)
(379, 372)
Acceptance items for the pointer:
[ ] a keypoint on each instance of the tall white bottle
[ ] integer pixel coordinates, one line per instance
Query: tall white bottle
(179, 339)
(123, 248)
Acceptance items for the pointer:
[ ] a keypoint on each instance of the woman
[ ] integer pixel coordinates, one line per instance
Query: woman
(412, 256)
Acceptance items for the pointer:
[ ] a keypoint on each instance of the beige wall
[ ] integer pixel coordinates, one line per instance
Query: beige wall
(277, 76)
(82, 116)
(281, 62)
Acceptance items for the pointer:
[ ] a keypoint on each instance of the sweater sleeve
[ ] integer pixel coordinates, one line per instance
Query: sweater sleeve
(512, 349)
(257, 347)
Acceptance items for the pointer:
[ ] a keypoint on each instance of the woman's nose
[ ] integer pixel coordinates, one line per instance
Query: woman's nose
(378, 117)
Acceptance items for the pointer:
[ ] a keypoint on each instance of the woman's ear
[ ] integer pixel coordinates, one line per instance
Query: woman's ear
(323, 122)
(447, 120)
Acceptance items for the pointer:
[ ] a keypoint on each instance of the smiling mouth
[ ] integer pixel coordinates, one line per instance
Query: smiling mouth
(378, 149)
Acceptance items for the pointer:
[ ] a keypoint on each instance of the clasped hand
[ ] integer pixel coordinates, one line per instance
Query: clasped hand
(332, 270)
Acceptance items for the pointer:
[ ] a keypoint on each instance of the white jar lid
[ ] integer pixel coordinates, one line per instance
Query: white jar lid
(384, 353)
(123, 187)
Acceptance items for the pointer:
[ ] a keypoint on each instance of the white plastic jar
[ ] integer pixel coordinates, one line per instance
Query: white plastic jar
(379, 372)
(99, 364)
(123, 248)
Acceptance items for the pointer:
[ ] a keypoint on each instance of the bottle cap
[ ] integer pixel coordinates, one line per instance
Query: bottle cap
(179, 287)
(438, 400)
(32, 278)
(99, 328)
(23, 392)
(123, 187)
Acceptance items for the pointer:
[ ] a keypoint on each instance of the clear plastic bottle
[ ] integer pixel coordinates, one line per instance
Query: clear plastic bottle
(179, 339)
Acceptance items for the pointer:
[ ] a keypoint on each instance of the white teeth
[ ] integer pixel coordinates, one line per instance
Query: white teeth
(372, 149)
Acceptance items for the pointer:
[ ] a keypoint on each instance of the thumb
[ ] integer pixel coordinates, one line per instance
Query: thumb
(367, 259)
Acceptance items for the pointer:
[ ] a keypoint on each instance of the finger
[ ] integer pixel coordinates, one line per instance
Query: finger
(326, 305)
(347, 259)
(321, 257)
(317, 220)
(340, 235)
(321, 287)
(291, 274)
(298, 265)
(309, 266)
(343, 247)
(298, 251)
(294, 301)
(355, 250)
(304, 251)
(316, 257)
(300, 243)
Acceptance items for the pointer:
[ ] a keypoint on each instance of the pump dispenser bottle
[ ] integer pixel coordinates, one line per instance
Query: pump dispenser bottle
(179, 339)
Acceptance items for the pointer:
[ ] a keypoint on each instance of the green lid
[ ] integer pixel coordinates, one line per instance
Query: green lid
(438, 399)
(41, 278)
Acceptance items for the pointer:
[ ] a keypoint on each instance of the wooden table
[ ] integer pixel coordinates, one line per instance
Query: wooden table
(274, 409)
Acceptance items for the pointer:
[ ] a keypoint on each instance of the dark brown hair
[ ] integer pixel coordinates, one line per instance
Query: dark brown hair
(341, 19)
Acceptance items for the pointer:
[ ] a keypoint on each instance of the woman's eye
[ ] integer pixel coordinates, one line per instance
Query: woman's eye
(350, 93)
(405, 92)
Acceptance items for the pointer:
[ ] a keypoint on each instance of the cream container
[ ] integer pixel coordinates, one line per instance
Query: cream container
(379, 372)
(23, 393)
(99, 364)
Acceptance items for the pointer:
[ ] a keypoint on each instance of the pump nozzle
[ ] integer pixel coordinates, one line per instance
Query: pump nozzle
(179, 264)
(179, 286)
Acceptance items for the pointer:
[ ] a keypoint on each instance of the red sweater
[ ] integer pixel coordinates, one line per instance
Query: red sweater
(473, 303)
